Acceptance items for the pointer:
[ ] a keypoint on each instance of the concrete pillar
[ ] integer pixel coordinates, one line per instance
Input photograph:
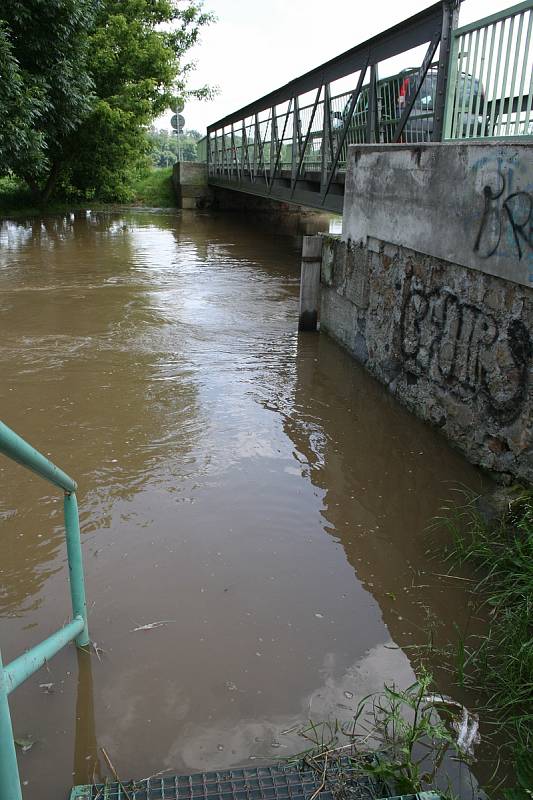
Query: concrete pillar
(310, 283)
(190, 184)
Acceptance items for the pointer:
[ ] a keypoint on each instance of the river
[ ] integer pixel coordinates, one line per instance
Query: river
(253, 488)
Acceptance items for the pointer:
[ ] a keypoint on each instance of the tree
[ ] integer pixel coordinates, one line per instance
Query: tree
(46, 87)
(164, 146)
(100, 71)
(17, 134)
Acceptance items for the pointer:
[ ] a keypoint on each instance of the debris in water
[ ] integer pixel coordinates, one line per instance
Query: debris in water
(115, 773)
(48, 687)
(98, 650)
(319, 616)
(25, 742)
(150, 625)
(348, 695)
(467, 728)
(290, 730)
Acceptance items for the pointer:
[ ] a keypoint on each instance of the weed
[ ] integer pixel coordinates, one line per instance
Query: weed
(397, 742)
(499, 546)
(154, 188)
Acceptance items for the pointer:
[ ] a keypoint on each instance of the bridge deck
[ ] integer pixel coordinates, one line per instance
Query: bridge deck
(306, 192)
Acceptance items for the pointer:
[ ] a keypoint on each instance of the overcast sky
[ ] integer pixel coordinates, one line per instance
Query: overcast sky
(257, 45)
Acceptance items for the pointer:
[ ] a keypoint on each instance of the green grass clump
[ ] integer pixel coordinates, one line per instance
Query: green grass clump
(400, 741)
(154, 188)
(500, 549)
(14, 195)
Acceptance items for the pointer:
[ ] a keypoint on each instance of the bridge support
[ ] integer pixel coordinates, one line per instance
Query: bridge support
(310, 283)
(189, 179)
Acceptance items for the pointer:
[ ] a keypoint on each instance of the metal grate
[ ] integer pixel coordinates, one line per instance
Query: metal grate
(263, 783)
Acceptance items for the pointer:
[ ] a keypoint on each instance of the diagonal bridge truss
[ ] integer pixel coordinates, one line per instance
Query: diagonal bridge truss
(424, 80)
(291, 145)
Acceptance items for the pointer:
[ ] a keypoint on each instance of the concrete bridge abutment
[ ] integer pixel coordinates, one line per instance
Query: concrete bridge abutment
(192, 189)
(430, 286)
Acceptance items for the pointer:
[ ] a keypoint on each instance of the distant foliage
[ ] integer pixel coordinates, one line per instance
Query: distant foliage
(164, 147)
(82, 80)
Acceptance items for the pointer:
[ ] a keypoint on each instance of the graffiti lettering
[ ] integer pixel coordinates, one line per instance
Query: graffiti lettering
(516, 209)
(463, 348)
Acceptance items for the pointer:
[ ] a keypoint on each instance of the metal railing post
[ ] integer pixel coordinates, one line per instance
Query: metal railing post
(19, 670)
(450, 18)
(296, 141)
(451, 85)
(9, 772)
(327, 144)
(75, 565)
(371, 121)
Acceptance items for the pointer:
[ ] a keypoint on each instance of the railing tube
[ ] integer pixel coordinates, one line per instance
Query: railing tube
(14, 447)
(9, 773)
(75, 565)
(28, 663)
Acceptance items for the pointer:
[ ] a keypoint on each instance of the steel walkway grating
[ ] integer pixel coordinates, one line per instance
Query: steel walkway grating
(263, 783)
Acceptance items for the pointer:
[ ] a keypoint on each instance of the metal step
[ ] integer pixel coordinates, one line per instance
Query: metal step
(276, 782)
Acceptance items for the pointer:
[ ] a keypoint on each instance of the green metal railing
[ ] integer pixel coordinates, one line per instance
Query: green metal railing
(15, 673)
(201, 150)
(490, 85)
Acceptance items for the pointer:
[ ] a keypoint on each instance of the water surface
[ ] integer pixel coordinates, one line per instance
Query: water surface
(254, 488)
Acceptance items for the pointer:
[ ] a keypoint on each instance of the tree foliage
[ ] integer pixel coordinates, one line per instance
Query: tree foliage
(81, 82)
(46, 85)
(164, 147)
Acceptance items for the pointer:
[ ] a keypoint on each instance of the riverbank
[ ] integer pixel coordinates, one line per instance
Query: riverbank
(495, 537)
(152, 189)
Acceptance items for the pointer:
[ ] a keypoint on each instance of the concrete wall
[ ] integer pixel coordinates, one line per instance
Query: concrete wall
(429, 288)
(189, 179)
(470, 204)
(190, 182)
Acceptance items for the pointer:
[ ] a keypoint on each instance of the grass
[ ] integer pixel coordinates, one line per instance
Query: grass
(500, 549)
(16, 200)
(154, 189)
(399, 742)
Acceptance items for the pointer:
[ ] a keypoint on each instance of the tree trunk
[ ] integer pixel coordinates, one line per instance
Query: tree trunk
(33, 186)
(51, 182)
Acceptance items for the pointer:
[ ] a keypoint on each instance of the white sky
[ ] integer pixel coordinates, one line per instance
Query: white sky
(258, 45)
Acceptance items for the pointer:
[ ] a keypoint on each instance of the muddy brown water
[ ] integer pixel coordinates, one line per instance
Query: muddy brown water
(254, 487)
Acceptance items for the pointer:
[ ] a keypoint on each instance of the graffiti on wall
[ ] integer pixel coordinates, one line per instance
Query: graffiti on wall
(463, 348)
(505, 226)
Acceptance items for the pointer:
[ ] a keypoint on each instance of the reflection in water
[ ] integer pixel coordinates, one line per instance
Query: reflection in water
(86, 762)
(251, 486)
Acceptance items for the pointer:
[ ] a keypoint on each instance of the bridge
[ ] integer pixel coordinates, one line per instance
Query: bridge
(461, 84)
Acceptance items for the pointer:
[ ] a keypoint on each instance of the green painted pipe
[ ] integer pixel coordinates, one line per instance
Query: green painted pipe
(25, 665)
(14, 446)
(75, 565)
(9, 773)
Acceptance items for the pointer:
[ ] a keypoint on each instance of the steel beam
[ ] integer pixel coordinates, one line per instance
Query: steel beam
(413, 32)
(430, 52)
(450, 18)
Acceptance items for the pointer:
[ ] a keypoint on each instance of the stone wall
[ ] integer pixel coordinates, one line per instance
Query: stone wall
(451, 342)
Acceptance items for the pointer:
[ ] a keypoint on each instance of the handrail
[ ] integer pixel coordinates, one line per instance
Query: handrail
(291, 144)
(21, 668)
(414, 31)
(13, 446)
(490, 88)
